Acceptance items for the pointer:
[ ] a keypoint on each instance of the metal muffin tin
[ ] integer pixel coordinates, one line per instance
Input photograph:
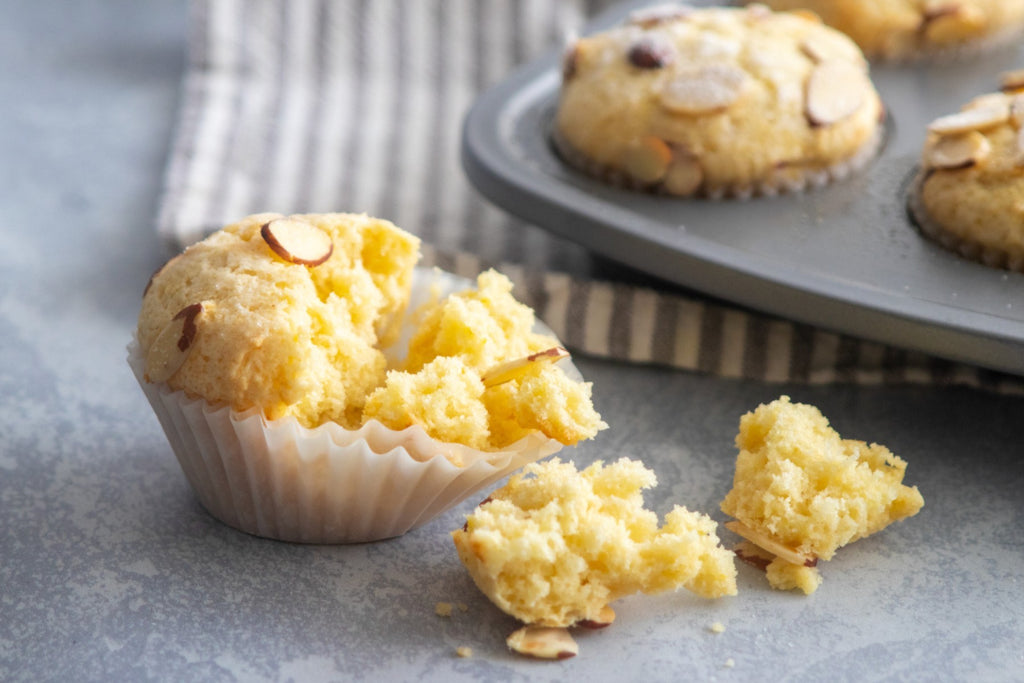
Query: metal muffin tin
(844, 257)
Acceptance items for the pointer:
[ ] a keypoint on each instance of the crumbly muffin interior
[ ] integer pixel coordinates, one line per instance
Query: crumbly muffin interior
(555, 546)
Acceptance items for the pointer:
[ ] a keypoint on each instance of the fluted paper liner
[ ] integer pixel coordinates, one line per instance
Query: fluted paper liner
(280, 480)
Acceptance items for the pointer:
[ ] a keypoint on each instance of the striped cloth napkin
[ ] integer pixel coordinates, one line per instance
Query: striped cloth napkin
(356, 105)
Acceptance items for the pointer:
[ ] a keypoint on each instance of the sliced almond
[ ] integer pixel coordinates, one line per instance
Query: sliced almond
(513, 369)
(806, 15)
(978, 118)
(815, 48)
(703, 90)
(651, 51)
(1018, 159)
(993, 100)
(757, 11)
(751, 554)
(957, 151)
(1012, 81)
(836, 89)
(570, 59)
(659, 14)
(647, 160)
(1016, 113)
(297, 241)
(685, 174)
(950, 22)
(603, 620)
(543, 642)
(172, 346)
(766, 542)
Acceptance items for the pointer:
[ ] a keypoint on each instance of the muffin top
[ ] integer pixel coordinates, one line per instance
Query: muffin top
(286, 314)
(292, 316)
(971, 188)
(555, 546)
(716, 100)
(902, 29)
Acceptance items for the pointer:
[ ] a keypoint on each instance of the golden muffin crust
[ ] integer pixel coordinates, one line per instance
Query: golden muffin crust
(969, 195)
(717, 101)
(289, 338)
(800, 489)
(555, 546)
(904, 29)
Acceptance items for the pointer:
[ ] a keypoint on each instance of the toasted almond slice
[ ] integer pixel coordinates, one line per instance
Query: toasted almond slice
(757, 11)
(978, 118)
(651, 51)
(1019, 158)
(836, 89)
(1012, 81)
(513, 369)
(603, 620)
(172, 346)
(815, 48)
(1017, 111)
(647, 160)
(766, 542)
(297, 241)
(570, 58)
(543, 642)
(806, 15)
(703, 89)
(753, 555)
(957, 151)
(993, 100)
(950, 22)
(685, 174)
(659, 14)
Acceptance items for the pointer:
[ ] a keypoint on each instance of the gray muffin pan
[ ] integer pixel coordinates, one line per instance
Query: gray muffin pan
(844, 257)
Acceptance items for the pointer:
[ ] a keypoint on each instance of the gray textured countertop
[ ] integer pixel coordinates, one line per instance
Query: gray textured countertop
(110, 570)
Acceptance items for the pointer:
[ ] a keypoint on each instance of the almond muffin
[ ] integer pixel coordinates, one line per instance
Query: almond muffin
(918, 29)
(969, 193)
(272, 353)
(717, 102)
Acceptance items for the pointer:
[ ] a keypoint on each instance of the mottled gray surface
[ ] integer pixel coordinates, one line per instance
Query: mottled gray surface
(109, 570)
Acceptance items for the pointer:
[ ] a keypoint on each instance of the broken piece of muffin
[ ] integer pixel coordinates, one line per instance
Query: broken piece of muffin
(556, 546)
(800, 492)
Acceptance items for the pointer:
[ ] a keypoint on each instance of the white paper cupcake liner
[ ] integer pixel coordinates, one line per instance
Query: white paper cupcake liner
(784, 181)
(280, 480)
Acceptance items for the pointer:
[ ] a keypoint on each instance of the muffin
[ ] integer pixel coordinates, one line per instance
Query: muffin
(918, 29)
(555, 545)
(276, 355)
(717, 102)
(800, 491)
(969, 192)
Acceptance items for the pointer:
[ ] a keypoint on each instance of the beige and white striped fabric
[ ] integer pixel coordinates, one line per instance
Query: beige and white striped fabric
(356, 105)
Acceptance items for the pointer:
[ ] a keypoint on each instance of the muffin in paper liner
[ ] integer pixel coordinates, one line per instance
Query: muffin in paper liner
(918, 32)
(966, 193)
(280, 480)
(717, 102)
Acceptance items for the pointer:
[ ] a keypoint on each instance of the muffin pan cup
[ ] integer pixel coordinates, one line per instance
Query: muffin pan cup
(845, 257)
